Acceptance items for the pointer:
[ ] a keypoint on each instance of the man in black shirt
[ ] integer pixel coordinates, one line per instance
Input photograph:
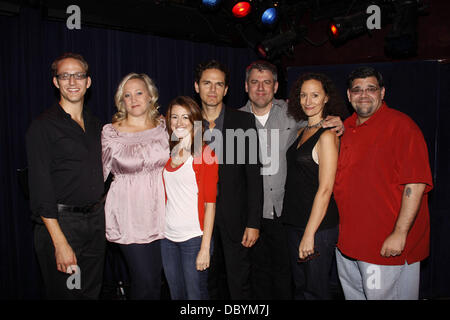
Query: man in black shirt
(66, 187)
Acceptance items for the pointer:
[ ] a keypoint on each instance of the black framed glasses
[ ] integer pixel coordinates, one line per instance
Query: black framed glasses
(358, 91)
(310, 257)
(77, 76)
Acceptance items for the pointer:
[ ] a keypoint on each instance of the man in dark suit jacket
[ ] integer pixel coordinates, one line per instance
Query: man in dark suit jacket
(240, 187)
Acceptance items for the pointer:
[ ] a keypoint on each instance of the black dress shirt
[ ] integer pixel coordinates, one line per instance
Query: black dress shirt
(64, 162)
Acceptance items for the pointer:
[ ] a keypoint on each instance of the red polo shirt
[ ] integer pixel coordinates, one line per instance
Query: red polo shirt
(376, 160)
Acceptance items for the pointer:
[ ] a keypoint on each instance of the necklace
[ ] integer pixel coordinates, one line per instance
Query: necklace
(317, 125)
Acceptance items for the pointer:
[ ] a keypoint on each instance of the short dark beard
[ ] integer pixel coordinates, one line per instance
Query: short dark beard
(364, 114)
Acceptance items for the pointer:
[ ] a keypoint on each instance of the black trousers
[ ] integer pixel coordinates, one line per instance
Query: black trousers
(217, 275)
(271, 270)
(145, 269)
(234, 258)
(85, 234)
(313, 279)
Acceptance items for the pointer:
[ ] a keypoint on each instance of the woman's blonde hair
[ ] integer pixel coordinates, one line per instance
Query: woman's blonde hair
(121, 113)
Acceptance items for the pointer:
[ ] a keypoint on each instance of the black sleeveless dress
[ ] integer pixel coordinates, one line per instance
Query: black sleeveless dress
(302, 182)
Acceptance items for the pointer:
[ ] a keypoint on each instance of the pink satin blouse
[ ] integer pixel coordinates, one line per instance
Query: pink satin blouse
(134, 208)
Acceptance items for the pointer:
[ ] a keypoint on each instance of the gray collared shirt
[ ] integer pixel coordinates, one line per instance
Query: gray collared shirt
(284, 128)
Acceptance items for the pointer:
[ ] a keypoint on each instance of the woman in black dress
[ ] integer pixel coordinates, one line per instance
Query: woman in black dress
(309, 210)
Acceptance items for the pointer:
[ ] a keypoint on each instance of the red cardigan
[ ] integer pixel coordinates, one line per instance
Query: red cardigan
(206, 174)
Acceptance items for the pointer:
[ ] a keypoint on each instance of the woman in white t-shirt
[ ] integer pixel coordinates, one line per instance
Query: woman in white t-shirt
(190, 179)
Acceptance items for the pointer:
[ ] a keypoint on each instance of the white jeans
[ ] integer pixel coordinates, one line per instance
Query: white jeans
(365, 281)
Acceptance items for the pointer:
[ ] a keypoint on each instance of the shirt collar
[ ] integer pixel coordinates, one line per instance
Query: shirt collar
(218, 121)
(276, 105)
(58, 110)
(379, 113)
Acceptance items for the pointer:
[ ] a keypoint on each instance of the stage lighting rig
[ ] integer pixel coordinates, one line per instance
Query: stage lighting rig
(401, 42)
(342, 29)
(280, 44)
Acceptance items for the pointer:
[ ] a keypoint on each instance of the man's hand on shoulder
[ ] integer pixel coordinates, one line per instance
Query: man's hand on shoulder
(335, 123)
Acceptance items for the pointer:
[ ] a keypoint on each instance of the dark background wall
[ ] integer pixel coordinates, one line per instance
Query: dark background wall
(30, 42)
(29, 45)
(433, 32)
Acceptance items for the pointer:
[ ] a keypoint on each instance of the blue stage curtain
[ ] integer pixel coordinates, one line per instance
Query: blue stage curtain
(29, 45)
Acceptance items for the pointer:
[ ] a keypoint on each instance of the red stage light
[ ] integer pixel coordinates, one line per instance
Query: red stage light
(261, 51)
(334, 30)
(241, 9)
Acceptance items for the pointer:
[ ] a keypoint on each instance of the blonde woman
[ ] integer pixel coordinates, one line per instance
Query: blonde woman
(135, 148)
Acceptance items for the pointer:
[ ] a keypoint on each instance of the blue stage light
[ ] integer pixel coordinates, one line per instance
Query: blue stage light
(269, 16)
(210, 3)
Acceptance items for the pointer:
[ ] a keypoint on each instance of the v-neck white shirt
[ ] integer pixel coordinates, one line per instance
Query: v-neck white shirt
(182, 203)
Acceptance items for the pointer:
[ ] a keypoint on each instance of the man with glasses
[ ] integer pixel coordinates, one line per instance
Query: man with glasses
(66, 187)
(381, 190)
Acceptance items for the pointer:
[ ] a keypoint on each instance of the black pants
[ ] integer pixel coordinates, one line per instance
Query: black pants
(271, 269)
(145, 269)
(85, 234)
(235, 259)
(217, 275)
(313, 279)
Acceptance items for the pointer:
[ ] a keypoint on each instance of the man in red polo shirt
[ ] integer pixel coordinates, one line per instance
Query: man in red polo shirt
(381, 190)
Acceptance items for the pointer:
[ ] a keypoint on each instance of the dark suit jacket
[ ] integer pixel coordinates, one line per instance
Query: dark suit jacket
(240, 187)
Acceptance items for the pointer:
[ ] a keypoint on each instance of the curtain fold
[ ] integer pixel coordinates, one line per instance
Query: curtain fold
(29, 45)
